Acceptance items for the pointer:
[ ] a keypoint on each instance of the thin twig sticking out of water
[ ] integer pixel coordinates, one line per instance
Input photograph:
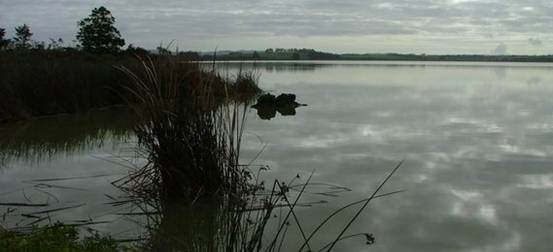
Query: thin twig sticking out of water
(364, 206)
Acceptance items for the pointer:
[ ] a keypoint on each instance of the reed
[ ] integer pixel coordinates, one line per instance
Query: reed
(191, 128)
(261, 220)
(226, 223)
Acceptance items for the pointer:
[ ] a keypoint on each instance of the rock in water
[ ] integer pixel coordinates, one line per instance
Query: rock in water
(266, 100)
(286, 99)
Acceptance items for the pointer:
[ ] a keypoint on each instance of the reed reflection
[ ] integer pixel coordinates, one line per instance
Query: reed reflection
(34, 140)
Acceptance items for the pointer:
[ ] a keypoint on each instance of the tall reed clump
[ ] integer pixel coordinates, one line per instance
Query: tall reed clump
(190, 129)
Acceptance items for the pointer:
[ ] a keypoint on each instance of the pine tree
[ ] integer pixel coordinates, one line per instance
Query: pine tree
(97, 32)
(22, 39)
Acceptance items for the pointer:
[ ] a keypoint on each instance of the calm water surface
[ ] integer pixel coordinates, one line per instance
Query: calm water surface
(477, 140)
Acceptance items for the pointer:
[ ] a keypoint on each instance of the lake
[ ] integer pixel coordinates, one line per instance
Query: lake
(476, 140)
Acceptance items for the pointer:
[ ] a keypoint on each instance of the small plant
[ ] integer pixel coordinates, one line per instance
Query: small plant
(57, 237)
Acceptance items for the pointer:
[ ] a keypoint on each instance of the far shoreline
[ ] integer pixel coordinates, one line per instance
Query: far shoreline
(305, 54)
(388, 62)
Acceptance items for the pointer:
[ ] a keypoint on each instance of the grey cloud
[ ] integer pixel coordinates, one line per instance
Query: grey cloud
(149, 22)
(535, 41)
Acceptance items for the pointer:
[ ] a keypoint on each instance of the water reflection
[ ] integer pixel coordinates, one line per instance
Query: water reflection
(477, 140)
(260, 220)
(267, 105)
(181, 227)
(33, 140)
(478, 145)
(277, 67)
(269, 112)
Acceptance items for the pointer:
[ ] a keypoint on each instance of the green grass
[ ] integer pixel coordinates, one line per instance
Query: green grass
(58, 237)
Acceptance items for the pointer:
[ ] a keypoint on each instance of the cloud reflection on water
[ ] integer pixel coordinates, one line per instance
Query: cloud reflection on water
(478, 147)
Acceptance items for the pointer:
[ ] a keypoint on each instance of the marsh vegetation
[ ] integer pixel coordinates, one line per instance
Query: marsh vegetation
(188, 119)
(189, 123)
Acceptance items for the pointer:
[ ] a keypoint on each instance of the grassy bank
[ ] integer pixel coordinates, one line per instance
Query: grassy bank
(38, 83)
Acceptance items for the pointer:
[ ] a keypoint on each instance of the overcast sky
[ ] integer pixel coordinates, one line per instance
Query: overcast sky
(417, 26)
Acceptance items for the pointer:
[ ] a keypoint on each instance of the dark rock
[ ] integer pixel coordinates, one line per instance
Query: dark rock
(266, 100)
(286, 99)
(267, 105)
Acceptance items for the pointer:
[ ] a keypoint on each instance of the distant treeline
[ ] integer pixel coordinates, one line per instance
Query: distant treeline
(311, 54)
(273, 54)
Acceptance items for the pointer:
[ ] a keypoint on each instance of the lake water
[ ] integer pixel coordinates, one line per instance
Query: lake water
(476, 140)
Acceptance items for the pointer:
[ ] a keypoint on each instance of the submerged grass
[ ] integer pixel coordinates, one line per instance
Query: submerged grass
(262, 220)
(225, 224)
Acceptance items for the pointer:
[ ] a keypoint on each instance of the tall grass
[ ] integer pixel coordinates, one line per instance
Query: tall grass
(191, 127)
(35, 83)
(39, 83)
